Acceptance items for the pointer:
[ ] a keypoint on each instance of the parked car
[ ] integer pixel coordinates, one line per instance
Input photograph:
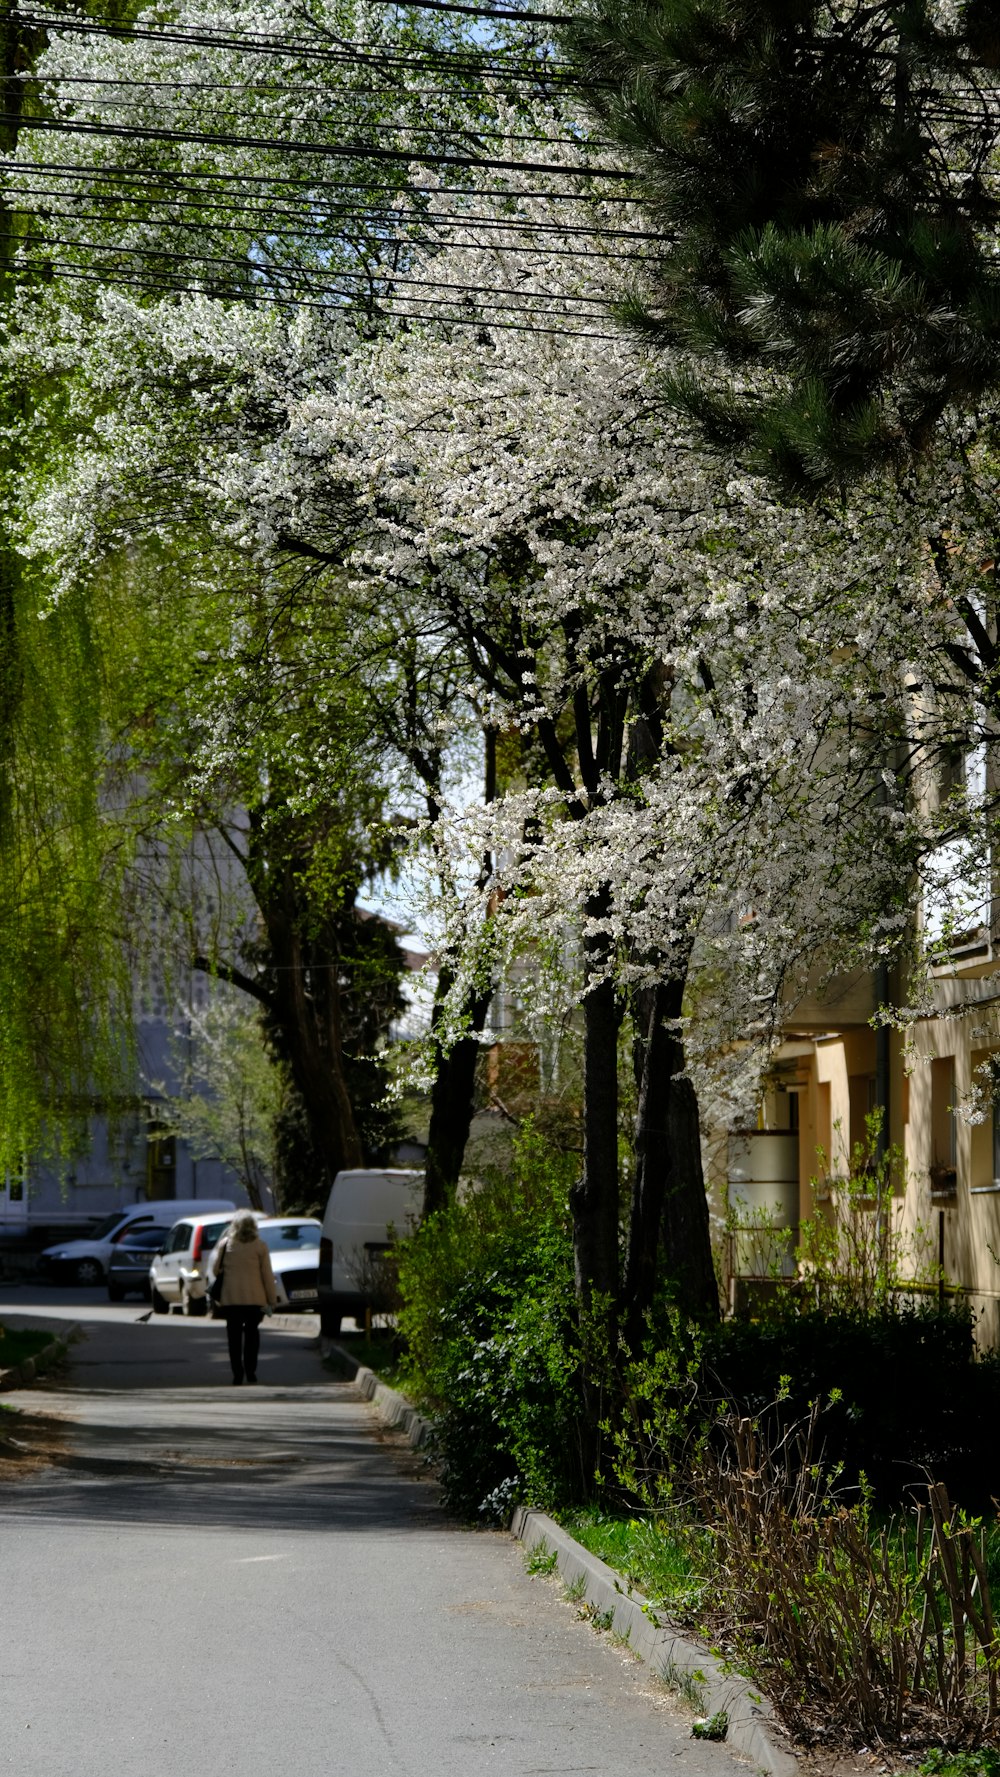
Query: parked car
(179, 1271)
(86, 1261)
(365, 1212)
(293, 1243)
(128, 1266)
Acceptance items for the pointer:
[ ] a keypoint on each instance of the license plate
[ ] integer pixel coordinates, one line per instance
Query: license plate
(300, 1295)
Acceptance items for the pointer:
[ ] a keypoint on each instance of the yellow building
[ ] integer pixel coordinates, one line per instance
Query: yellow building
(833, 1068)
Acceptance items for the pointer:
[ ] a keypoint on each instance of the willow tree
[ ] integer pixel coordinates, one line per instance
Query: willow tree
(64, 989)
(156, 185)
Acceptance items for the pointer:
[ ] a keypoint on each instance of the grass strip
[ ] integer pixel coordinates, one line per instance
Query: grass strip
(19, 1343)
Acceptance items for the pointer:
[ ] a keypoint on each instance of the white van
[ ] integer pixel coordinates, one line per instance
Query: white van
(365, 1212)
(86, 1261)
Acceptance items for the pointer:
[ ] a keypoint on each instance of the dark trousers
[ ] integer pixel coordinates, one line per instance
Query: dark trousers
(243, 1333)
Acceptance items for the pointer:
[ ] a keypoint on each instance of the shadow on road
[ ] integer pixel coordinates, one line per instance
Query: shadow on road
(158, 1436)
(290, 1464)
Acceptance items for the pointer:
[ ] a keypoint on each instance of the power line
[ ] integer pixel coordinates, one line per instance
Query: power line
(275, 180)
(55, 84)
(182, 190)
(308, 229)
(69, 271)
(524, 16)
(325, 150)
(360, 52)
(315, 280)
(441, 127)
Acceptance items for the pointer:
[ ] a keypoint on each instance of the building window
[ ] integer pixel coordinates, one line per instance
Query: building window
(995, 1115)
(944, 1128)
(862, 1101)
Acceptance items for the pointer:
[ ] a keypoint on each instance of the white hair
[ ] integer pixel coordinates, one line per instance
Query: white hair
(243, 1226)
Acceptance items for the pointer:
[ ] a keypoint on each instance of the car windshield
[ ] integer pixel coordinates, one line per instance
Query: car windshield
(290, 1236)
(108, 1226)
(149, 1239)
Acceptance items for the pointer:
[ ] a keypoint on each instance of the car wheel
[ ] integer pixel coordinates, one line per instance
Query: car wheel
(192, 1306)
(115, 1293)
(88, 1271)
(160, 1303)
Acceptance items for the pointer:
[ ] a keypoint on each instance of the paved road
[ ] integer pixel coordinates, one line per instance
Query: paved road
(251, 1581)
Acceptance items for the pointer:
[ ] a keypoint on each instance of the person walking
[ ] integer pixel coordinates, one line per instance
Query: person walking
(243, 1263)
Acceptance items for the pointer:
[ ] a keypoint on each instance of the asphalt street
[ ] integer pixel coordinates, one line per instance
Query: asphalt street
(255, 1580)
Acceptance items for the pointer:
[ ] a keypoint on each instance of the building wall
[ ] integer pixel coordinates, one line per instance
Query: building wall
(946, 1204)
(119, 1165)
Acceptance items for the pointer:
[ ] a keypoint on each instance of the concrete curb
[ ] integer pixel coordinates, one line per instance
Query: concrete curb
(308, 1324)
(683, 1663)
(393, 1409)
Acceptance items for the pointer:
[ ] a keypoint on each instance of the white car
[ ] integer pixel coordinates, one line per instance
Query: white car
(293, 1243)
(366, 1212)
(86, 1261)
(179, 1274)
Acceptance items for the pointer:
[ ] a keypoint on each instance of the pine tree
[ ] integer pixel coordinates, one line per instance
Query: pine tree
(822, 179)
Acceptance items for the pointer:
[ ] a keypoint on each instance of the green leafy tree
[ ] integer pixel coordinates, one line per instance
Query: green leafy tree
(233, 1096)
(64, 987)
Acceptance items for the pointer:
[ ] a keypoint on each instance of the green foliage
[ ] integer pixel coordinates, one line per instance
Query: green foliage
(664, 1555)
(19, 1343)
(879, 1628)
(941, 1763)
(233, 1094)
(65, 994)
(713, 1727)
(541, 1559)
(858, 1261)
(489, 1315)
(907, 1398)
(820, 174)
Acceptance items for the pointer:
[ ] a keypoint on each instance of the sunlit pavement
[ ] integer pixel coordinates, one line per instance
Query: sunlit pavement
(245, 1580)
(79, 1302)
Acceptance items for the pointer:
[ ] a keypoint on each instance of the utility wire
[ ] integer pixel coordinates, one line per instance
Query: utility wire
(522, 16)
(68, 270)
(325, 150)
(310, 280)
(59, 81)
(194, 197)
(181, 192)
(405, 94)
(274, 181)
(440, 128)
(307, 230)
(360, 52)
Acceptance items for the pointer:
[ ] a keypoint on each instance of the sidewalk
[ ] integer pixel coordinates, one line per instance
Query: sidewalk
(257, 1580)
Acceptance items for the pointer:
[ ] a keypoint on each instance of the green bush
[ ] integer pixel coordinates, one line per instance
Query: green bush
(909, 1400)
(493, 1351)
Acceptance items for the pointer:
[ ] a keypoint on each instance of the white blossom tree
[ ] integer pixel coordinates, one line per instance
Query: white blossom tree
(716, 718)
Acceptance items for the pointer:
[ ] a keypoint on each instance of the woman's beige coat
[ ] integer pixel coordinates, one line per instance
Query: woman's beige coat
(247, 1278)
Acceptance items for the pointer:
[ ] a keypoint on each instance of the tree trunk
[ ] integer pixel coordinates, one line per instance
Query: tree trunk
(594, 1199)
(308, 1020)
(668, 1223)
(451, 1102)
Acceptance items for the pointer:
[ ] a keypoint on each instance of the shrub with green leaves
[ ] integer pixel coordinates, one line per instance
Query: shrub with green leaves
(489, 1317)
